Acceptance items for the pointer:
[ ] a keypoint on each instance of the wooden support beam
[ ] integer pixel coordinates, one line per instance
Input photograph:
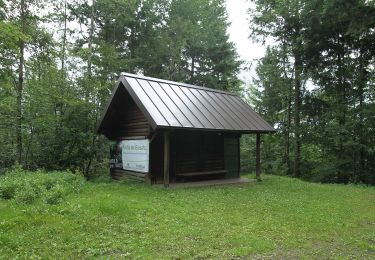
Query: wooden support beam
(258, 157)
(166, 157)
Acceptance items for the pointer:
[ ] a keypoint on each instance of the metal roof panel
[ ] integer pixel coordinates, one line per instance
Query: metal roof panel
(168, 104)
(192, 107)
(214, 109)
(183, 107)
(202, 109)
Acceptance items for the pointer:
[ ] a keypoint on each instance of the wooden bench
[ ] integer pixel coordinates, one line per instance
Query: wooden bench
(192, 174)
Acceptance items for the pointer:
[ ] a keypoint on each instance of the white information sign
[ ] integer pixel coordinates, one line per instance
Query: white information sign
(135, 155)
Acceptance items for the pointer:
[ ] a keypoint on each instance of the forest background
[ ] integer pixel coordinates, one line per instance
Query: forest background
(59, 61)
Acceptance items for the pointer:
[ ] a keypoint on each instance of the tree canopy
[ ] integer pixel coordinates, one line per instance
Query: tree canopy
(59, 61)
(326, 48)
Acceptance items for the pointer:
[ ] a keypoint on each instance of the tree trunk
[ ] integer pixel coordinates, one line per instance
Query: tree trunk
(64, 41)
(20, 86)
(286, 157)
(192, 68)
(287, 135)
(89, 82)
(257, 157)
(297, 111)
(19, 105)
(93, 153)
(91, 33)
(166, 158)
(340, 92)
(362, 140)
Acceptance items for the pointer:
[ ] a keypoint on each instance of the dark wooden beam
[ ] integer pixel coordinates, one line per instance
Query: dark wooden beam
(258, 157)
(166, 157)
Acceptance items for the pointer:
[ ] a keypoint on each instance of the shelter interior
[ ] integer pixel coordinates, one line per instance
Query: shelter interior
(196, 155)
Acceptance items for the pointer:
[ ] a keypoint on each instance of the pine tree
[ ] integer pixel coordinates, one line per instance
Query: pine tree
(284, 23)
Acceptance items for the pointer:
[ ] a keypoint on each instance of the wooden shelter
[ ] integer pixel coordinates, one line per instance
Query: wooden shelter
(167, 132)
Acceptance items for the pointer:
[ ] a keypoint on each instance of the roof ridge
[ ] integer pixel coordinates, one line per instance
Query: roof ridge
(176, 83)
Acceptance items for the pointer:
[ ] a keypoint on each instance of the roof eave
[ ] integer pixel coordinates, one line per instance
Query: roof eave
(239, 131)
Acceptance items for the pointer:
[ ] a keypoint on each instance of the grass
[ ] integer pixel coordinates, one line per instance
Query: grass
(277, 218)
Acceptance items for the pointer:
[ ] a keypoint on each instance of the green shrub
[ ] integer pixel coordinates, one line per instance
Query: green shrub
(26, 187)
(49, 183)
(54, 195)
(7, 189)
(26, 195)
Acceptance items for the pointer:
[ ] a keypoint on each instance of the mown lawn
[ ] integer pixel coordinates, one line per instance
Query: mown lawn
(277, 218)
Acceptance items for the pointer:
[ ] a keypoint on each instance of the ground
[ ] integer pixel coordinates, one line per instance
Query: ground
(277, 218)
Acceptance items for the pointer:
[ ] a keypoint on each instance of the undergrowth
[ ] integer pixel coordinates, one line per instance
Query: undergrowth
(25, 187)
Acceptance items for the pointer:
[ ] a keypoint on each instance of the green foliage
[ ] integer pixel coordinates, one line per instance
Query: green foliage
(179, 40)
(198, 30)
(280, 217)
(55, 194)
(247, 153)
(333, 125)
(26, 193)
(51, 101)
(26, 187)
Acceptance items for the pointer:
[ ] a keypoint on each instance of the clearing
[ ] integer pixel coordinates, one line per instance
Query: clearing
(277, 218)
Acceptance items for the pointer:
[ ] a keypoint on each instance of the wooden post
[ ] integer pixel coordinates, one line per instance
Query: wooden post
(166, 158)
(258, 157)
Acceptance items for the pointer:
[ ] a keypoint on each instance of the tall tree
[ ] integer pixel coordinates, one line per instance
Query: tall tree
(273, 98)
(283, 22)
(329, 43)
(208, 57)
(23, 20)
(19, 86)
(339, 61)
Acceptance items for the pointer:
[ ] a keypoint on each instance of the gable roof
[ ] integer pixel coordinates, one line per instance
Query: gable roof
(168, 104)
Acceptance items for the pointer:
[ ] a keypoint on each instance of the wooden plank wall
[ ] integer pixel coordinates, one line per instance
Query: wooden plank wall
(211, 152)
(118, 174)
(131, 122)
(197, 151)
(124, 118)
(185, 153)
(126, 121)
